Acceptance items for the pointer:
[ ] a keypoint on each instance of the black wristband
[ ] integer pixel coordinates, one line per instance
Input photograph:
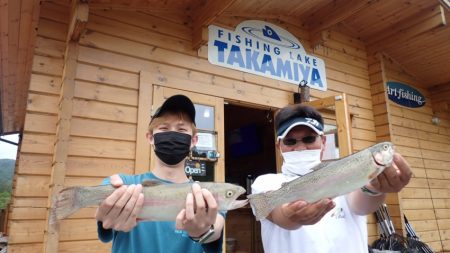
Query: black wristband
(204, 237)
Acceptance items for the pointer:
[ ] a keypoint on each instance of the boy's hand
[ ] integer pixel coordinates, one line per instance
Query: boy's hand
(119, 211)
(200, 212)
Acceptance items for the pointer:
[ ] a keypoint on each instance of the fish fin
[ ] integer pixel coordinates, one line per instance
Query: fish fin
(151, 182)
(261, 205)
(66, 203)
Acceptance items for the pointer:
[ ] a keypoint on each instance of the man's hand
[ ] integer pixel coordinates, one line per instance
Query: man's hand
(119, 211)
(393, 178)
(304, 213)
(200, 212)
(295, 214)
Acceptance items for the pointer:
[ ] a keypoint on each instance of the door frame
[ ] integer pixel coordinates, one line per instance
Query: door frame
(343, 123)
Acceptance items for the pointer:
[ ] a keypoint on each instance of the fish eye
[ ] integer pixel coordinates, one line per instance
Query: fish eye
(229, 194)
(385, 146)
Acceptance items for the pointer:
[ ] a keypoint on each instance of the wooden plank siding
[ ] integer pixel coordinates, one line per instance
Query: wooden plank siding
(106, 119)
(31, 189)
(425, 146)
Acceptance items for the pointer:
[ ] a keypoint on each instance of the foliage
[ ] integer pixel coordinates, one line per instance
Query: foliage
(6, 176)
(4, 199)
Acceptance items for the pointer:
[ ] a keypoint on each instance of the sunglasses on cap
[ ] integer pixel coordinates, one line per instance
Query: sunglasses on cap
(306, 140)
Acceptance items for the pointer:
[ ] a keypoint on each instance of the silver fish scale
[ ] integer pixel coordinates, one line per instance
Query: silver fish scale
(327, 180)
(360, 166)
(162, 202)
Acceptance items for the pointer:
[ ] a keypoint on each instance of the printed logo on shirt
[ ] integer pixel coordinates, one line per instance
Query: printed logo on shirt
(338, 213)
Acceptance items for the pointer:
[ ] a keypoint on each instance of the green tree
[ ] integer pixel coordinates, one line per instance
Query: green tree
(4, 199)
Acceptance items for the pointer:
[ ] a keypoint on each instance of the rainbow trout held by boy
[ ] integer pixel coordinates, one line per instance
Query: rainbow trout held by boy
(328, 179)
(162, 202)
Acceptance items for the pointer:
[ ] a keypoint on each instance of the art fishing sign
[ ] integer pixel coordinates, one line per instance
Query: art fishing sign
(265, 49)
(405, 95)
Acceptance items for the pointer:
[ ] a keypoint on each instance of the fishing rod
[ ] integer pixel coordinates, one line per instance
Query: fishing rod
(414, 241)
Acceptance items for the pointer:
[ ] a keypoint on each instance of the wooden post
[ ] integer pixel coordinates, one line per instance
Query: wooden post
(342, 120)
(80, 13)
(78, 22)
(343, 125)
(142, 162)
(58, 174)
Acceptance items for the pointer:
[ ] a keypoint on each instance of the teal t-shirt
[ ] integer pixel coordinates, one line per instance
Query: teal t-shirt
(149, 237)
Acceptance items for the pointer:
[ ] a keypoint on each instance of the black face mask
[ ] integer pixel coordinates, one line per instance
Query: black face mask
(172, 147)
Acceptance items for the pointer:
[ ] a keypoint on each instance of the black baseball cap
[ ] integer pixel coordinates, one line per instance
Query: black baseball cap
(286, 126)
(295, 115)
(177, 103)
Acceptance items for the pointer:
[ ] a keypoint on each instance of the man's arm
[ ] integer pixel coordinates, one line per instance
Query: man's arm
(362, 204)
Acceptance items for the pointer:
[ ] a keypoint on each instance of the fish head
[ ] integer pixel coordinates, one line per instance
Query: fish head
(383, 155)
(226, 195)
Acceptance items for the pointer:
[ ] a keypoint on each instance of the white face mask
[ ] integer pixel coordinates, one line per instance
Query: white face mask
(299, 163)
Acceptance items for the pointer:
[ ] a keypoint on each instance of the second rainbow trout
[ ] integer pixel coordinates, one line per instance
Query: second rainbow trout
(328, 179)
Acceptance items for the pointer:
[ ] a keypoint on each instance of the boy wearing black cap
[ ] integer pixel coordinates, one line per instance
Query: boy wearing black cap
(172, 133)
(328, 225)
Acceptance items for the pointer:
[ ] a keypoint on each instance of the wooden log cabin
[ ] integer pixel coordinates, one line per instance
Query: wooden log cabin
(79, 80)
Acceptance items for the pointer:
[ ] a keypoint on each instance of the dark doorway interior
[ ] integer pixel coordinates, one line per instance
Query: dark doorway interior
(249, 143)
(249, 150)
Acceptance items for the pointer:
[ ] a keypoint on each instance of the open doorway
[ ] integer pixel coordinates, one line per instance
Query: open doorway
(249, 152)
(249, 143)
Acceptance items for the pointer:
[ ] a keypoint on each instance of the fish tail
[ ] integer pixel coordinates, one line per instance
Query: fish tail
(67, 202)
(261, 205)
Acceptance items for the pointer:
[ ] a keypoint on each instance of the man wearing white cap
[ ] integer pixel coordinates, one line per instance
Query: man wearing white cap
(328, 225)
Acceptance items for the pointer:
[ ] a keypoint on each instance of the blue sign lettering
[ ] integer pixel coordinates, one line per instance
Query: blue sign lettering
(264, 49)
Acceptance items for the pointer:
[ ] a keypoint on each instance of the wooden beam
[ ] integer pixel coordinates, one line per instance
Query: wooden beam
(442, 106)
(148, 7)
(440, 97)
(439, 88)
(407, 29)
(206, 16)
(80, 13)
(323, 102)
(334, 13)
(142, 162)
(60, 154)
(29, 19)
(344, 126)
(343, 123)
(12, 39)
(404, 25)
(4, 45)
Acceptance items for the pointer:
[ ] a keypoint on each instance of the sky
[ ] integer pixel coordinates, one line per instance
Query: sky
(8, 151)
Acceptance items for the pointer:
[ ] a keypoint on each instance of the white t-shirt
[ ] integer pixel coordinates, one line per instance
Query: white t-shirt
(339, 231)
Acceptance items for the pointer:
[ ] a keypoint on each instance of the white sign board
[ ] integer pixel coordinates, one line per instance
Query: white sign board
(265, 49)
